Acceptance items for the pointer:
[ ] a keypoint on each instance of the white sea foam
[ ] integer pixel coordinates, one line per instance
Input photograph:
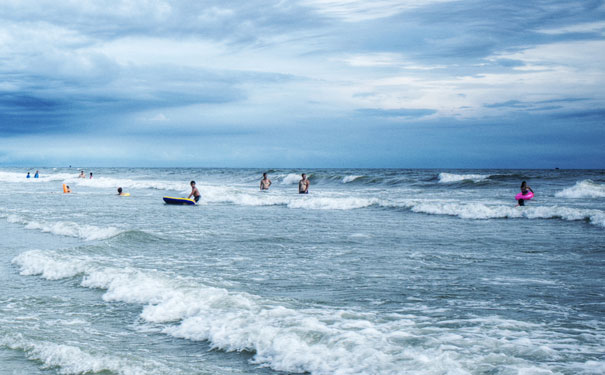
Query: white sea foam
(317, 341)
(20, 177)
(583, 189)
(350, 178)
(214, 194)
(68, 228)
(446, 178)
(36, 262)
(485, 211)
(113, 183)
(69, 359)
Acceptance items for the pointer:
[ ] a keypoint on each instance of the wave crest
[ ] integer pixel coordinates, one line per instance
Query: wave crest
(70, 359)
(68, 228)
(583, 189)
(447, 178)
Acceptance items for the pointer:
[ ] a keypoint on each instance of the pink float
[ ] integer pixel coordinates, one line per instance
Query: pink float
(527, 196)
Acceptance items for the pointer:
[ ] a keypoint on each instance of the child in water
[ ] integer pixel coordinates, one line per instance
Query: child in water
(524, 190)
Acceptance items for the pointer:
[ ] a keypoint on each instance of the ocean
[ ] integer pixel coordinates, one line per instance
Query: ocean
(375, 271)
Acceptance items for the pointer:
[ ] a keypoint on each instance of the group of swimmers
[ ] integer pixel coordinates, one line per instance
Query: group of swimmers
(303, 184)
(37, 175)
(82, 175)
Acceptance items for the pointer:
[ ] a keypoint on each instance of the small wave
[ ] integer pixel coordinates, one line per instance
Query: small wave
(112, 183)
(70, 359)
(68, 228)
(350, 178)
(583, 189)
(447, 178)
(37, 262)
(311, 202)
(483, 211)
(138, 236)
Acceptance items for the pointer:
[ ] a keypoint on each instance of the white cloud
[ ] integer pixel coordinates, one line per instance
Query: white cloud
(588, 27)
(360, 10)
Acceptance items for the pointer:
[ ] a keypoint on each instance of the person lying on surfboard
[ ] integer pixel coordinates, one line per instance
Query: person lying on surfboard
(194, 192)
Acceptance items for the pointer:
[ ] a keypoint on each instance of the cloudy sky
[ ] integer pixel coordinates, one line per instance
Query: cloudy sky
(311, 83)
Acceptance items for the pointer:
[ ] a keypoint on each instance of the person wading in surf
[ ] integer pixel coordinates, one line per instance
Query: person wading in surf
(303, 185)
(194, 192)
(265, 182)
(524, 190)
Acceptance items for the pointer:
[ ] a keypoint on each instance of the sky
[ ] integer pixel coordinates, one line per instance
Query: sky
(311, 83)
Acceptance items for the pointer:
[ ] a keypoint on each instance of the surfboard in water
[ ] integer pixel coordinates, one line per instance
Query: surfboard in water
(174, 200)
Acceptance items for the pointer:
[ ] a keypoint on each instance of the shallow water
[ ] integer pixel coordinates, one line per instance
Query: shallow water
(373, 272)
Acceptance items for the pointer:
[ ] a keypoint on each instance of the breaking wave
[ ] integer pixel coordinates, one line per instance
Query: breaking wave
(285, 337)
(70, 359)
(447, 178)
(68, 228)
(583, 189)
(350, 178)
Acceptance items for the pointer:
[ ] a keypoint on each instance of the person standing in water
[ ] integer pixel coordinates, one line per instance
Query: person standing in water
(81, 175)
(194, 192)
(28, 176)
(524, 190)
(303, 185)
(36, 175)
(90, 175)
(265, 182)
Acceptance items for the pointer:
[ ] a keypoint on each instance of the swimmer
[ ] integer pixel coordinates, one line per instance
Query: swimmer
(120, 191)
(524, 190)
(36, 175)
(265, 182)
(81, 175)
(303, 185)
(194, 192)
(28, 176)
(66, 189)
(90, 175)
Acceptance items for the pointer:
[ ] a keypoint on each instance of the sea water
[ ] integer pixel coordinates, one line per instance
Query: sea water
(373, 272)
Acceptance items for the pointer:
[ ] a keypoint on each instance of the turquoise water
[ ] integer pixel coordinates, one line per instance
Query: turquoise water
(373, 272)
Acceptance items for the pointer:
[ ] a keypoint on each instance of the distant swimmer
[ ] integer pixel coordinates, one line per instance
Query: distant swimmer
(91, 175)
(194, 192)
(303, 185)
(28, 176)
(66, 189)
(525, 189)
(81, 175)
(265, 182)
(122, 193)
(36, 175)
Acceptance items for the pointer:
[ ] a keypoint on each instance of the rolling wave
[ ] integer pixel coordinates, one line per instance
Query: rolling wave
(448, 178)
(70, 359)
(67, 228)
(292, 339)
(583, 189)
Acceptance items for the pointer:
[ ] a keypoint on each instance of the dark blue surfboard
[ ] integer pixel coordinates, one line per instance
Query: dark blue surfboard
(174, 200)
